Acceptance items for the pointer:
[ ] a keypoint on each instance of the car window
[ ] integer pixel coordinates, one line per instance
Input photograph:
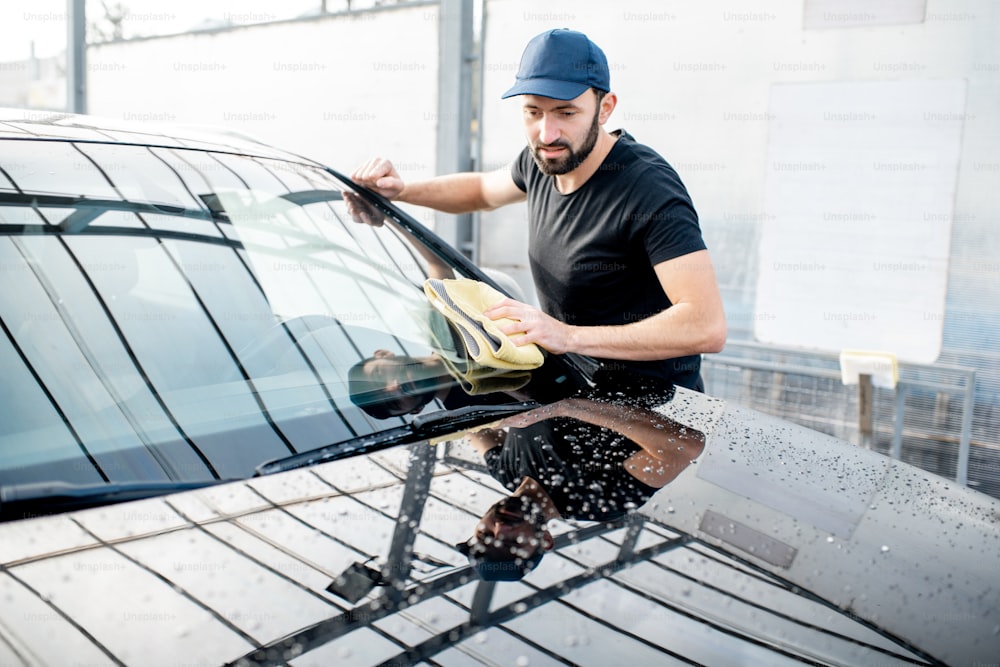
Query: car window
(187, 315)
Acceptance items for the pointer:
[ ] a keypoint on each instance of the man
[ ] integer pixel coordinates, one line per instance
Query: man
(617, 257)
(387, 385)
(616, 458)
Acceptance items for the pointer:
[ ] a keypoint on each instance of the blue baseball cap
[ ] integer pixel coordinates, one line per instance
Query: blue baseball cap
(561, 64)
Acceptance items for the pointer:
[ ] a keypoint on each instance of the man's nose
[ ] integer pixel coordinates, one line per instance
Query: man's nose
(501, 531)
(548, 130)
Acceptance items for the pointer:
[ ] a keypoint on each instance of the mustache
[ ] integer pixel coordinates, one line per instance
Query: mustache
(514, 510)
(556, 144)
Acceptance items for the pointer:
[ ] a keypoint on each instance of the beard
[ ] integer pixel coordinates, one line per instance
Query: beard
(514, 510)
(573, 158)
(415, 378)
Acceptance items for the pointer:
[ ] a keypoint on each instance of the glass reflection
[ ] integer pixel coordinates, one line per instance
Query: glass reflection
(579, 459)
(387, 384)
(185, 315)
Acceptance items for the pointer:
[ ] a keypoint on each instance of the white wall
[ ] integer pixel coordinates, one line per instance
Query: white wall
(337, 89)
(694, 80)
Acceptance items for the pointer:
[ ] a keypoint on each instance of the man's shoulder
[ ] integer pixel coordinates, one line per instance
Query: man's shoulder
(643, 171)
(631, 155)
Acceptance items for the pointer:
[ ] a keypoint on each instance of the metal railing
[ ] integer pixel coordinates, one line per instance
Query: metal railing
(929, 411)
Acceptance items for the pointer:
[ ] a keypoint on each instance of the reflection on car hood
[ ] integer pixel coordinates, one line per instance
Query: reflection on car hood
(776, 545)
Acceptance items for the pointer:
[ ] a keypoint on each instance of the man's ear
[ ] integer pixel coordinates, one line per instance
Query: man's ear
(548, 542)
(608, 104)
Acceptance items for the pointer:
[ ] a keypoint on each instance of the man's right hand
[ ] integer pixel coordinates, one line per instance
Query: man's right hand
(379, 175)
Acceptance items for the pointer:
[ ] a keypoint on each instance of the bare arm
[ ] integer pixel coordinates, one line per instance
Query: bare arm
(694, 324)
(660, 437)
(452, 193)
(486, 439)
(666, 447)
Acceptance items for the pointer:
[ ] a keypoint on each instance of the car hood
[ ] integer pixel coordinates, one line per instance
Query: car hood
(776, 544)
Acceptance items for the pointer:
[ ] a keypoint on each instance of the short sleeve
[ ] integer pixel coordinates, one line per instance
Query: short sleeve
(673, 231)
(661, 215)
(493, 458)
(519, 169)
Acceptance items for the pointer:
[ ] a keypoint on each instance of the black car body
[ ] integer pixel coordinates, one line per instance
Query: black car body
(187, 476)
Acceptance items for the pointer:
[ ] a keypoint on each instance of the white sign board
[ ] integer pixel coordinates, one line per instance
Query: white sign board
(859, 195)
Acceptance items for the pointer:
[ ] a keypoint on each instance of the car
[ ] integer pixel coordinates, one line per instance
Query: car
(238, 429)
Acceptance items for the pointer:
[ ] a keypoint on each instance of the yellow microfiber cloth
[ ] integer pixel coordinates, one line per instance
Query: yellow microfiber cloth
(463, 301)
(475, 379)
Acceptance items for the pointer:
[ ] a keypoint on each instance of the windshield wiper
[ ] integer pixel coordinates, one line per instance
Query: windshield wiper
(19, 501)
(422, 427)
(450, 421)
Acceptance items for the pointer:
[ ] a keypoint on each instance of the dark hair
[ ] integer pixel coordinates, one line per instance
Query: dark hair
(367, 395)
(376, 400)
(600, 94)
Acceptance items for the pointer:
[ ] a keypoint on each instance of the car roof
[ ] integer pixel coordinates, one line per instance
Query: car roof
(154, 131)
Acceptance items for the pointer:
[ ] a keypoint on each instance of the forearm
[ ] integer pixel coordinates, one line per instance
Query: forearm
(661, 438)
(452, 193)
(679, 331)
(695, 324)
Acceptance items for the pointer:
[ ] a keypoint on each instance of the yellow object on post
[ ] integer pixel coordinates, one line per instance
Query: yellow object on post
(867, 369)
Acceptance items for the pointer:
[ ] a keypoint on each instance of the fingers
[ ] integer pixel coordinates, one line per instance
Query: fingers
(526, 324)
(372, 170)
(362, 211)
(378, 174)
(520, 314)
(505, 307)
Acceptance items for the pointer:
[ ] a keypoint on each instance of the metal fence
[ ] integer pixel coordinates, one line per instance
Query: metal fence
(925, 421)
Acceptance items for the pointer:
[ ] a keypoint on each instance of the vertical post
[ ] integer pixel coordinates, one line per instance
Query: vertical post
(76, 56)
(867, 368)
(865, 409)
(627, 551)
(897, 430)
(479, 611)
(454, 116)
(415, 494)
(968, 405)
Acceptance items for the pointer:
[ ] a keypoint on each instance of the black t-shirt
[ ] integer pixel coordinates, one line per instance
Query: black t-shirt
(592, 252)
(579, 466)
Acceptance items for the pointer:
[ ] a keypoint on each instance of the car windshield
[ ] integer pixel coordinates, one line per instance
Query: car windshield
(180, 314)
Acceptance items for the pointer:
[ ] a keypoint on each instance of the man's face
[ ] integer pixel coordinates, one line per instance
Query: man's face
(510, 529)
(561, 133)
(406, 381)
